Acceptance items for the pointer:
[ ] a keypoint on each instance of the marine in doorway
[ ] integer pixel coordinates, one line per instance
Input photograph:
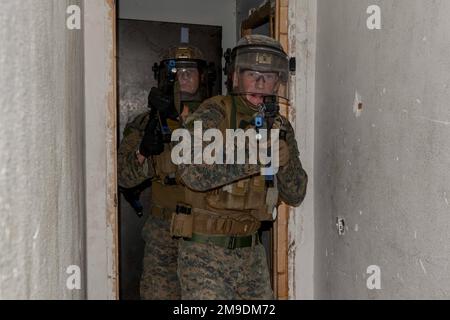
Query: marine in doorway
(220, 254)
(184, 81)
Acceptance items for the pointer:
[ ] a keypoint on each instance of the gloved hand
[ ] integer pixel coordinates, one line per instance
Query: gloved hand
(163, 103)
(152, 143)
(283, 151)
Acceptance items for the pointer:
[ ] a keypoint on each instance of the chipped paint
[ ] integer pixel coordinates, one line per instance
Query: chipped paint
(357, 105)
(101, 153)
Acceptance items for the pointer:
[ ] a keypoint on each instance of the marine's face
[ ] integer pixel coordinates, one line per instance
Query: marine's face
(189, 79)
(257, 84)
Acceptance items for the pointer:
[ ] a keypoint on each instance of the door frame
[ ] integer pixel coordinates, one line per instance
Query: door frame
(102, 234)
(296, 29)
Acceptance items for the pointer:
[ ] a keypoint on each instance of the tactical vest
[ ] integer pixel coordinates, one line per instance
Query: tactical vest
(167, 192)
(235, 209)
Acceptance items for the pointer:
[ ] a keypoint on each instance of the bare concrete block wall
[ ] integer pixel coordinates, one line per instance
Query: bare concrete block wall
(386, 171)
(41, 150)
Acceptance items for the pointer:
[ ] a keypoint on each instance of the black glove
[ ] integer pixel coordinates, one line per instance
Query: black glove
(162, 103)
(161, 107)
(152, 142)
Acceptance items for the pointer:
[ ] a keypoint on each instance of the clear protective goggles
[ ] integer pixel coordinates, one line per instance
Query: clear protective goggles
(259, 70)
(270, 78)
(187, 74)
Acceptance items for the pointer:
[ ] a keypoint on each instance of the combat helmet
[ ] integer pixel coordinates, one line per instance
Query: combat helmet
(180, 58)
(258, 53)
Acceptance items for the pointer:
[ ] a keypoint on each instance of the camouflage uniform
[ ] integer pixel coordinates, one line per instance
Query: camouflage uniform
(207, 271)
(159, 280)
(176, 79)
(221, 256)
(130, 172)
(211, 273)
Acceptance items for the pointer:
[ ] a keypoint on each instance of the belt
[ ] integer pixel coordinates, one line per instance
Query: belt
(227, 242)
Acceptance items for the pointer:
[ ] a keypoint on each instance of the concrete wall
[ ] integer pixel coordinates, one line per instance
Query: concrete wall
(387, 171)
(41, 143)
(212, 12)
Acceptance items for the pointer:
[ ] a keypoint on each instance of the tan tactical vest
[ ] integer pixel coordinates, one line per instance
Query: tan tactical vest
(235, 209)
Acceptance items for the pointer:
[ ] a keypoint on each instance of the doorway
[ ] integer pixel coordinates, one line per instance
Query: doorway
(141, 44)
(281, 240)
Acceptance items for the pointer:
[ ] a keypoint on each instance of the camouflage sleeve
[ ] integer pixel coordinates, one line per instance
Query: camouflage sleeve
(204, 177)
(292, 179)
(130, 172)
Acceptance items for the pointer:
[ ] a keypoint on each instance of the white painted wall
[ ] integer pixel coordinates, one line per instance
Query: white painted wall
(212, 12)
(386, 172)
(41, 150)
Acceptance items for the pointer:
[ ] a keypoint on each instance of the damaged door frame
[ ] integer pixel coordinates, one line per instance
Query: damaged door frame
(102, 262)
(295, 27)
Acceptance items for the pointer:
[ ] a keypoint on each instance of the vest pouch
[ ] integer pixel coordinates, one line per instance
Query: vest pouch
(182, 224)
(255, 198)
(266, 210)
(164, 164)
(230, 197)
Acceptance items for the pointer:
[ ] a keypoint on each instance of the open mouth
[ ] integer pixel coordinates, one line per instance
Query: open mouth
(255, 98)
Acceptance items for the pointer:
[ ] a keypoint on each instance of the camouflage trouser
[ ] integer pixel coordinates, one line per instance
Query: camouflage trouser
(208, 272)
(159, 279)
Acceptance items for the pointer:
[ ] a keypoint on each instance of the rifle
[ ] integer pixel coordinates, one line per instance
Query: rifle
(268, 113)
(156, 133)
